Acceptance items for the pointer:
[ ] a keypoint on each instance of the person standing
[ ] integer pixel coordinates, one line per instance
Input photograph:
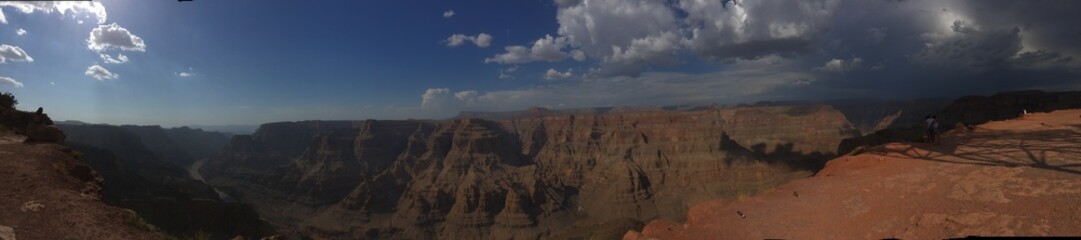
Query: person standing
(928, 131)
(934, 130)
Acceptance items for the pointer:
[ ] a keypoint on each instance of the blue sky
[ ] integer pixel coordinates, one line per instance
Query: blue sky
(249, 62)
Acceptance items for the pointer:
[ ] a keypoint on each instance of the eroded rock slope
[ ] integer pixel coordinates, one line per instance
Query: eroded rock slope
(523, 177)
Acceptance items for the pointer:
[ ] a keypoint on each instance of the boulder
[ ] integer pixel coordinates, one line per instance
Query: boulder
(40, 133)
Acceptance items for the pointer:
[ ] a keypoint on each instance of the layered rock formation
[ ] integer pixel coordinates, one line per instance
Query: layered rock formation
(150, 181)
(522, 176)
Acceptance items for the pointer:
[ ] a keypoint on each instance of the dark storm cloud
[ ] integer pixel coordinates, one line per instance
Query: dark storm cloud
(947, 48)
(807, 50)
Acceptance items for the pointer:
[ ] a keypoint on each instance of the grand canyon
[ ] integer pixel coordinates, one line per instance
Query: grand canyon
(549, 119)
(594, 173)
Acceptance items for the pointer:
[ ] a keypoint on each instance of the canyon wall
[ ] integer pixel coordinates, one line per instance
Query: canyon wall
(141, 169)
(523, 176)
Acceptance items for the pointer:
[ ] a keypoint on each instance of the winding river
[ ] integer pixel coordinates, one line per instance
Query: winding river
(193, 170)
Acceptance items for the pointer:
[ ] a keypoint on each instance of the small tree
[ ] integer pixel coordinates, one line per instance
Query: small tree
(7, 100)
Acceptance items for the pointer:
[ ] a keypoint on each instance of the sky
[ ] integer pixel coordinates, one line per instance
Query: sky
(203, 62)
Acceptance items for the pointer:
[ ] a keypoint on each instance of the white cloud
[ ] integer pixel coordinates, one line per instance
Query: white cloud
(840, 65)
(120, 58)
(105, 37)
(650, 50)
(630, 34)
(545, 49)
(94, 9)
(595, 26)
(507, 73)
(578, 55)
(435, 98)
(3, 19)
(10, 81)
(481, 40)
(553, 74)
(456, 40)
(466, 96)
(442, 100)
(100, 73)
(448, 14)
(190, 72)
(20, 32)
(14, 54)
(748, 29)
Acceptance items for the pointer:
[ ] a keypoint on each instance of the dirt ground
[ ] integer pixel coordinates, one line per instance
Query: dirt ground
(41, 197)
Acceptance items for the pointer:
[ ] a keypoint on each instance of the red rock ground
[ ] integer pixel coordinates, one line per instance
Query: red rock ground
(1020, 177)
(39, 199)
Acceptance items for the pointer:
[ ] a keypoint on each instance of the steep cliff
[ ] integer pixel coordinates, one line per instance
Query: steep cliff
(870, 115)
(149, 181)
(523, 176)
(968, 111)
(971, 110)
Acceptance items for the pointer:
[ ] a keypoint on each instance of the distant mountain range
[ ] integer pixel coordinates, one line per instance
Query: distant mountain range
(231, 129)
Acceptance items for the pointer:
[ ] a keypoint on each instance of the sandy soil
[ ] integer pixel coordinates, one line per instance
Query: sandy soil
(40, 200)
(1020, 177)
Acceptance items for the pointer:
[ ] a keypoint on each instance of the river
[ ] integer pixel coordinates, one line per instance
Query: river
(193, 170)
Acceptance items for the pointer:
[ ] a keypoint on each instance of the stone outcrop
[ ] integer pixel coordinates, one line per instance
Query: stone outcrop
(41, 133)
(36, 126)
(525, 175)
